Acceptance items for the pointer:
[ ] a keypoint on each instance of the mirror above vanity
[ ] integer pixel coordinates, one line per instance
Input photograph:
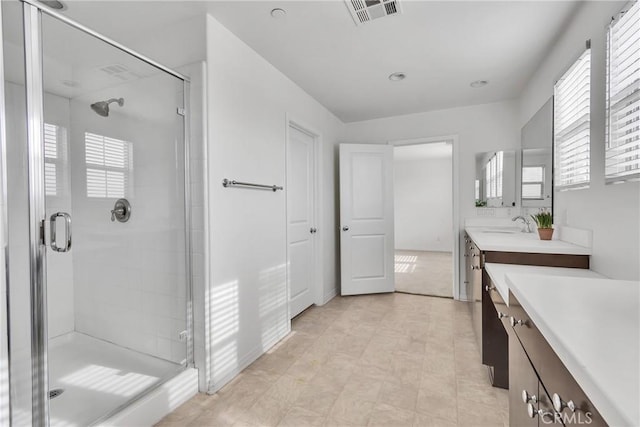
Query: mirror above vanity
(536, 175)
(495, 183)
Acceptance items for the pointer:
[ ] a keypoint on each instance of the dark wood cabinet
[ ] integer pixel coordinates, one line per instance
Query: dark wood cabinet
(523, 386)
(485, 302)
(494, 337)
(529, 404)
(574, 407)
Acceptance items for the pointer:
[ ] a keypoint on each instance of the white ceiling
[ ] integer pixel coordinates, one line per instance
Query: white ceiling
(442, 46)
(434, 150)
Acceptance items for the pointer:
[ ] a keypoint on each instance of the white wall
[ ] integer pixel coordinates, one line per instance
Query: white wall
(248, 102)
(423, 204)
(479, 128)
(611, 211)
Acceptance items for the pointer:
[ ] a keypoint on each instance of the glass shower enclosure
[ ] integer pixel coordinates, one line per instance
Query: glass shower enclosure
(95, 156)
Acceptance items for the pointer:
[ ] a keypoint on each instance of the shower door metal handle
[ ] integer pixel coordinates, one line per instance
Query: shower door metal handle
(67, 231)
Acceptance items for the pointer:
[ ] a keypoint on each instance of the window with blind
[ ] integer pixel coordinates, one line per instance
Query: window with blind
(532, 182)
(493, 176)
(51, 160)
(571, 132)
(622, 154)
(108, 163)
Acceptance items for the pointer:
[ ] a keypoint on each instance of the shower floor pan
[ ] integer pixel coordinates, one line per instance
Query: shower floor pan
(96, 377)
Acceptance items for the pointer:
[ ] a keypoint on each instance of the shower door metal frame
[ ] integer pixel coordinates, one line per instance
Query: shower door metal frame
(32, 15)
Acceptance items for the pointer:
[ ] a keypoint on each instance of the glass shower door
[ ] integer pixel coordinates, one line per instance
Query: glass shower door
(104, 247)
(114, 168)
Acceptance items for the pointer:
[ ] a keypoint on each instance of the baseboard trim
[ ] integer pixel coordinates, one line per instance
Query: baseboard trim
(248, 359)
(328, 297)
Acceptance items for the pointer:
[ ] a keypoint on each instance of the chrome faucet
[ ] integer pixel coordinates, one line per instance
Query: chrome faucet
(525, 221)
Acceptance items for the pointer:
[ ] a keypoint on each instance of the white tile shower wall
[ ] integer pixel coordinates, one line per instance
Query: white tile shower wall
(130, 277)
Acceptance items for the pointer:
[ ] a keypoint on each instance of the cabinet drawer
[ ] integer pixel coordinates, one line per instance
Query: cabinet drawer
(554, 376)
(502, 309)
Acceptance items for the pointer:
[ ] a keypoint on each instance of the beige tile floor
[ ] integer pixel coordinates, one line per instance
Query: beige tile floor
(373, 360)
(424, 272)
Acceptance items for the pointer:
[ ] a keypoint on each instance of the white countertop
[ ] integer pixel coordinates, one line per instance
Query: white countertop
(498, 273)
(593, 324)
(503, 239)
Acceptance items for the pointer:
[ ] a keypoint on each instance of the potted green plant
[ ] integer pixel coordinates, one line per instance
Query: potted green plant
(544, 220)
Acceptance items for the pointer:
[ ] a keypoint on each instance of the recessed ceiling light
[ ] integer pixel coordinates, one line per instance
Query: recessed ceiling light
(53, 4)
(278, 13)
(479, 83)
(396, 77)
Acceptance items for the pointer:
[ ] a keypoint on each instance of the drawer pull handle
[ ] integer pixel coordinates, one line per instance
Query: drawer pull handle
(473, 267)
(515, 322)
(526, 397)
(532, 412)
(500, 316)
(559, 404)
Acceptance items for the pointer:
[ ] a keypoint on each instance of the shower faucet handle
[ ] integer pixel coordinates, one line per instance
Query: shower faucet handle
(121, 211)
(114, 212)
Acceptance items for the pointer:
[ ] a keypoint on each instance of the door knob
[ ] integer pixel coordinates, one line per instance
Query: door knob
(345, 228)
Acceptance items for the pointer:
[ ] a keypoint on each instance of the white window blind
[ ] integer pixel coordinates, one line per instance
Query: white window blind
(532, 182)
(571, 133)
(51, 157)
(622, 158)
(108, 166)
(493, 176)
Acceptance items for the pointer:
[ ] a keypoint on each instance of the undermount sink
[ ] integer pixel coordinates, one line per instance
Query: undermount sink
(501, 230)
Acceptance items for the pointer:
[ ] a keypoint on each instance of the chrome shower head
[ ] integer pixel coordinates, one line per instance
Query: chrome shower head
(102, 107)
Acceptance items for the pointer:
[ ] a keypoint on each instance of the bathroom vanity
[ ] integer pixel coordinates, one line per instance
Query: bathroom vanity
(574, 350)
(506, 245)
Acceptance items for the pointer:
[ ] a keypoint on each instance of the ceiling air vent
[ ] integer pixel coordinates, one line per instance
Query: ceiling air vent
(367, 10)
(119, 72)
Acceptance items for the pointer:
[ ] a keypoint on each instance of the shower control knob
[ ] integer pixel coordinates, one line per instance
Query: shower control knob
(121, 211)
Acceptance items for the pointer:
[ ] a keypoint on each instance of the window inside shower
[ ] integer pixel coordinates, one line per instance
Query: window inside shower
(116, 302)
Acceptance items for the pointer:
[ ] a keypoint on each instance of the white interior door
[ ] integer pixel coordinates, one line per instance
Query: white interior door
(301, 230)
(366, 218)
